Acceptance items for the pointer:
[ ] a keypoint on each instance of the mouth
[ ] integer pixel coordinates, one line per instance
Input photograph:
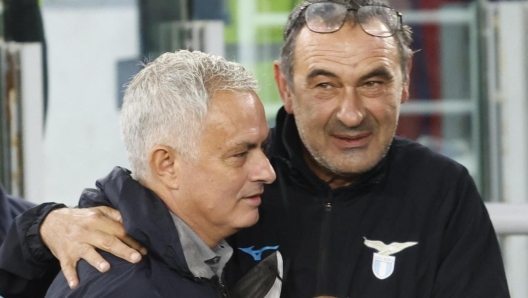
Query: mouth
(352, 141)
(253, 200)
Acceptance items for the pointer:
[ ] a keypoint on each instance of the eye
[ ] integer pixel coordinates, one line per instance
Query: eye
(324, 86)
(325, 90)
(265, 146)
(241, 154)
(373, 88)
(372, 84)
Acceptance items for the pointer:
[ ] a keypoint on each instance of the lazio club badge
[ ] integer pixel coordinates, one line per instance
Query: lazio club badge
(383, 262)
(382, 266)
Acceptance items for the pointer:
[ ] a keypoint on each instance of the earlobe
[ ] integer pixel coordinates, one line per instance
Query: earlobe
(164, 165)
(405, 90)
(282, 86)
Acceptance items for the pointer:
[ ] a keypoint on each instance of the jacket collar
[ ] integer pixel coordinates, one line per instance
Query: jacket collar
(287, 146)
(145, 217)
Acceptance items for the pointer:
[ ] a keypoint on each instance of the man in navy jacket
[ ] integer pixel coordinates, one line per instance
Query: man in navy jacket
(194, 131)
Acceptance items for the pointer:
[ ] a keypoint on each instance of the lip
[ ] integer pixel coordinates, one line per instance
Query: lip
(254, 200)
(352, 141)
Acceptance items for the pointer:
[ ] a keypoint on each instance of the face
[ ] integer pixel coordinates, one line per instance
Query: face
(348, 87)
(222, 186)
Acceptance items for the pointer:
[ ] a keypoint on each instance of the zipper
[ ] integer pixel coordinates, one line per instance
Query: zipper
(323, 273)
(221, 284)
(218, 285)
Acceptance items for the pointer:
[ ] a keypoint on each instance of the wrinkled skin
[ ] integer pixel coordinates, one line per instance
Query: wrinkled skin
(346, 95)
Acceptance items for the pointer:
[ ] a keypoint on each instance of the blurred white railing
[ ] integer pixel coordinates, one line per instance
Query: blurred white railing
(509, 219)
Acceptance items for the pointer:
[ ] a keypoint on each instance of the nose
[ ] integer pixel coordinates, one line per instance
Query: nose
(350, 110)
(263, 172)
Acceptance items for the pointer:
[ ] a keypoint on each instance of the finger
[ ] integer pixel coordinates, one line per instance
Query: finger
(93, 258)
(116, 247)
(110, 213)
(111, 227)
(70, 273)
(134, 244)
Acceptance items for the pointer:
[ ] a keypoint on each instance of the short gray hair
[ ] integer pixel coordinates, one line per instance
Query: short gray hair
(166, 101)
(296, 22)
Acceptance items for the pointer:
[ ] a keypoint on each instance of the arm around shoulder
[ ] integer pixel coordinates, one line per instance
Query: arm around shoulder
(27, 267)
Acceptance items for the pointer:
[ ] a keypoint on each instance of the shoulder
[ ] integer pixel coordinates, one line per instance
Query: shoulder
(418, 172)
(122, 280)
(414, 157)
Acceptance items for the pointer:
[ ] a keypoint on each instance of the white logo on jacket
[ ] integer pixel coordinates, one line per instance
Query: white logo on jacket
(383, 262)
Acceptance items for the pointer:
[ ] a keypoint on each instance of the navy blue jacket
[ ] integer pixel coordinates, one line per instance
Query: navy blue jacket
(9, 209)
(163, 272)
(19, 278)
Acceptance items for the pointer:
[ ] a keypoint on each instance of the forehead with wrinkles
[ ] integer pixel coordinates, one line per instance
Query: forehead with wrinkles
(347, 48)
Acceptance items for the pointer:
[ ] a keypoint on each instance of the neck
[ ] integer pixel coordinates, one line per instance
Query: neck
(333, 179)
(211, 236)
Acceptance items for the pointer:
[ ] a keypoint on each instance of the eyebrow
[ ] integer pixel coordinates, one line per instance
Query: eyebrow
(252, 145)
(321, 72)
(377, 72)
(267, 140)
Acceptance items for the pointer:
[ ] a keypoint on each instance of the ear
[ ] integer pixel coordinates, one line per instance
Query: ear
(165, 165)
(407, 74)
(282, 86)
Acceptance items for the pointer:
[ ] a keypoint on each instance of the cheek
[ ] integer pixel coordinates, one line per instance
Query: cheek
(313, 112)
(229, 185)
(385, 110)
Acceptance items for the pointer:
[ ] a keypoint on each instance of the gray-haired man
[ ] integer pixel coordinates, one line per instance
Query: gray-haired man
(194, 130)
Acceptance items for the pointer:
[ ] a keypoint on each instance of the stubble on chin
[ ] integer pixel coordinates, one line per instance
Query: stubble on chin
(345, 166)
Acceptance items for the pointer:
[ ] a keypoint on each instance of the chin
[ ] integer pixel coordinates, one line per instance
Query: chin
(249, 219)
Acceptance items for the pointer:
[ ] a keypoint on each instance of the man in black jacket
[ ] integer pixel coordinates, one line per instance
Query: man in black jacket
(356, 211)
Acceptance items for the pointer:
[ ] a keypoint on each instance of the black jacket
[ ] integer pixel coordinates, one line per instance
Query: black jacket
(163, 272)
(413, 195)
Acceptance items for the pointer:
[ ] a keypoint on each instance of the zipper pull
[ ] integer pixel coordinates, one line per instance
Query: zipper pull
(328, 206)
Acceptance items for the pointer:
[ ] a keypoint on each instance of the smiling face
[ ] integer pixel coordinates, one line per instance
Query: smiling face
(220, 189)
(347, 91)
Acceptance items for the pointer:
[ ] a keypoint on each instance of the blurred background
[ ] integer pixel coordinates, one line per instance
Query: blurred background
(63, 65)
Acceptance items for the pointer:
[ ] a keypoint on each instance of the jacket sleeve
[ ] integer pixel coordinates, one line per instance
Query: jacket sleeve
(471, 262)
(27, 267)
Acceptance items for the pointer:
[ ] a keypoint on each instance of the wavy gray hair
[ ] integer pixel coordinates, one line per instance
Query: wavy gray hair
(166, 101)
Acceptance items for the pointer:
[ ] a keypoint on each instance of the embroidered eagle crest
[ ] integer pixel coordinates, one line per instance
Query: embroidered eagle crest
(383, 262)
